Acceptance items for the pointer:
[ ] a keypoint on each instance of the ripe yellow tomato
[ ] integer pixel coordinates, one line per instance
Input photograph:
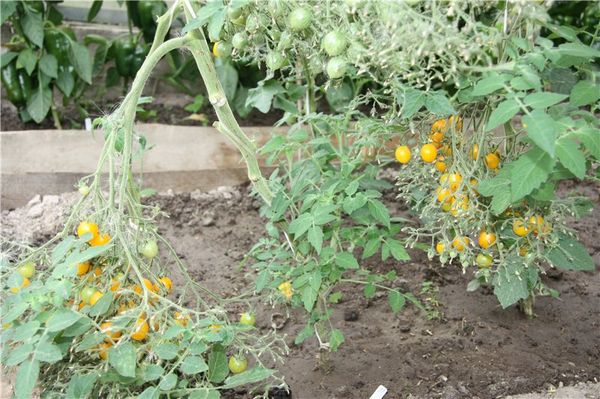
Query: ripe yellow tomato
(100, 239)
(140, 330)
(167, 283)
(436, 137)
(443, 194)
(440, 165)
(181, 319)
(536, 223)
(87, 227)
(440, 247)
(474, 151)
(97, 272)
(428, 153)
(492, 160)
(520, 228)
(103, 350)
(137, 289)
(83, 268)
(454, 181)
(486, 239)
(286, 289)
(95, 297)
(111, 334)
(115, 285)
(439, 126)
(403, 154)
(148, 284)
(460, 243)
(24, 284)
(444, 179)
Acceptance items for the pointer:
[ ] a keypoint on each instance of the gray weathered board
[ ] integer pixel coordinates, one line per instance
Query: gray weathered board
(183, 158)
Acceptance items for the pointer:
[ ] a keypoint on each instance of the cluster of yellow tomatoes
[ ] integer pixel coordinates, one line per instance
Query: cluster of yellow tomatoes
(129, 297)
(453, 194)
(286, 290)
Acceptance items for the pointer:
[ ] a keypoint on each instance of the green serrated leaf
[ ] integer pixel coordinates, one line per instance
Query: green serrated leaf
(397, 249)
(590, 138)
(254, 375)
(27, 377)
(62, 319)
(543, 99)
(379, 212)
(411, 102)
(504, 112)
(569, 254)
(437, 103)
(541, 129)
(81, 385)
(571, 157)
(336, 339)
(488, 85)
(396, 300)
(528, 172)
(217, 365)
(584, 92)
(123, 359)
(510, 282)
(315, 237)
(346, 260)
(193, 365)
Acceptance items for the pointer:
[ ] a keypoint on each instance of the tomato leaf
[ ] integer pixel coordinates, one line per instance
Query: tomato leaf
(27, 376)
(569, 254)
(528, 172)
(123, 359)
(336, 339)
(543, 99)
(396, 300)
(193, 365)
(81, 385)
(584, 92)
(346, 260)
(510, 283)
(569, 155)
(217, 365)
(503, 113)
(541, 129)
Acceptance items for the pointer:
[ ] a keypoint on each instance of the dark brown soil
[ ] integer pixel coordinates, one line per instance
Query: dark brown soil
(165, 113)
(476, 350)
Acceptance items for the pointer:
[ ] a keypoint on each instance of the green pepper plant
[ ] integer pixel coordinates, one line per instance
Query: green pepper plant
(44, 59)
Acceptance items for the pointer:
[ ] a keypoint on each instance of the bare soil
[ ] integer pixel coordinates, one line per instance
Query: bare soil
(476, 350)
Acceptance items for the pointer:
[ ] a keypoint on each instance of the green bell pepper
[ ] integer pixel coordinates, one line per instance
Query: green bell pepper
(17, 84)
(129, 56)
(148, 11)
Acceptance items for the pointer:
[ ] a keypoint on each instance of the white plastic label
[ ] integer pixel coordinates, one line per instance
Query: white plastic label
(379, 392)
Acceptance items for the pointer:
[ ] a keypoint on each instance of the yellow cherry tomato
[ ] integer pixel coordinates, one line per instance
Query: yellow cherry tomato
(181, 319)
(83, 268)
(484, 261)
(100, 239)
(492, 160)
(108, 329)
(520, 228)
(440, 247)
(167, 283)
(460, 243)
(27, 270)
(403, 154)
(95, 297)
(440, 165)
(238, 364)
(428, 153)
(456, 121)
(439, 126)
(103, 350)
(443, 194)
(486, 239)
(436, 137)
(87, 227)
(140, 330)
(454, 181)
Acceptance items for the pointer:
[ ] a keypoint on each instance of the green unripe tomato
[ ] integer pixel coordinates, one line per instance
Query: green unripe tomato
(285, 41)
(247, 319)
(84, 190)
(484, 261)
(222, 49)
(150, 249)
(241, 21)
(275, 60)
(234, 13)
(238, 364)
(336, 67)
(300, 19)
(252, 23)
(239, 40)
(334, 43)
(27, 270)
(86, 293)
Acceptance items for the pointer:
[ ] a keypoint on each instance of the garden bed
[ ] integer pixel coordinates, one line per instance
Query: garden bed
(475, 350)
